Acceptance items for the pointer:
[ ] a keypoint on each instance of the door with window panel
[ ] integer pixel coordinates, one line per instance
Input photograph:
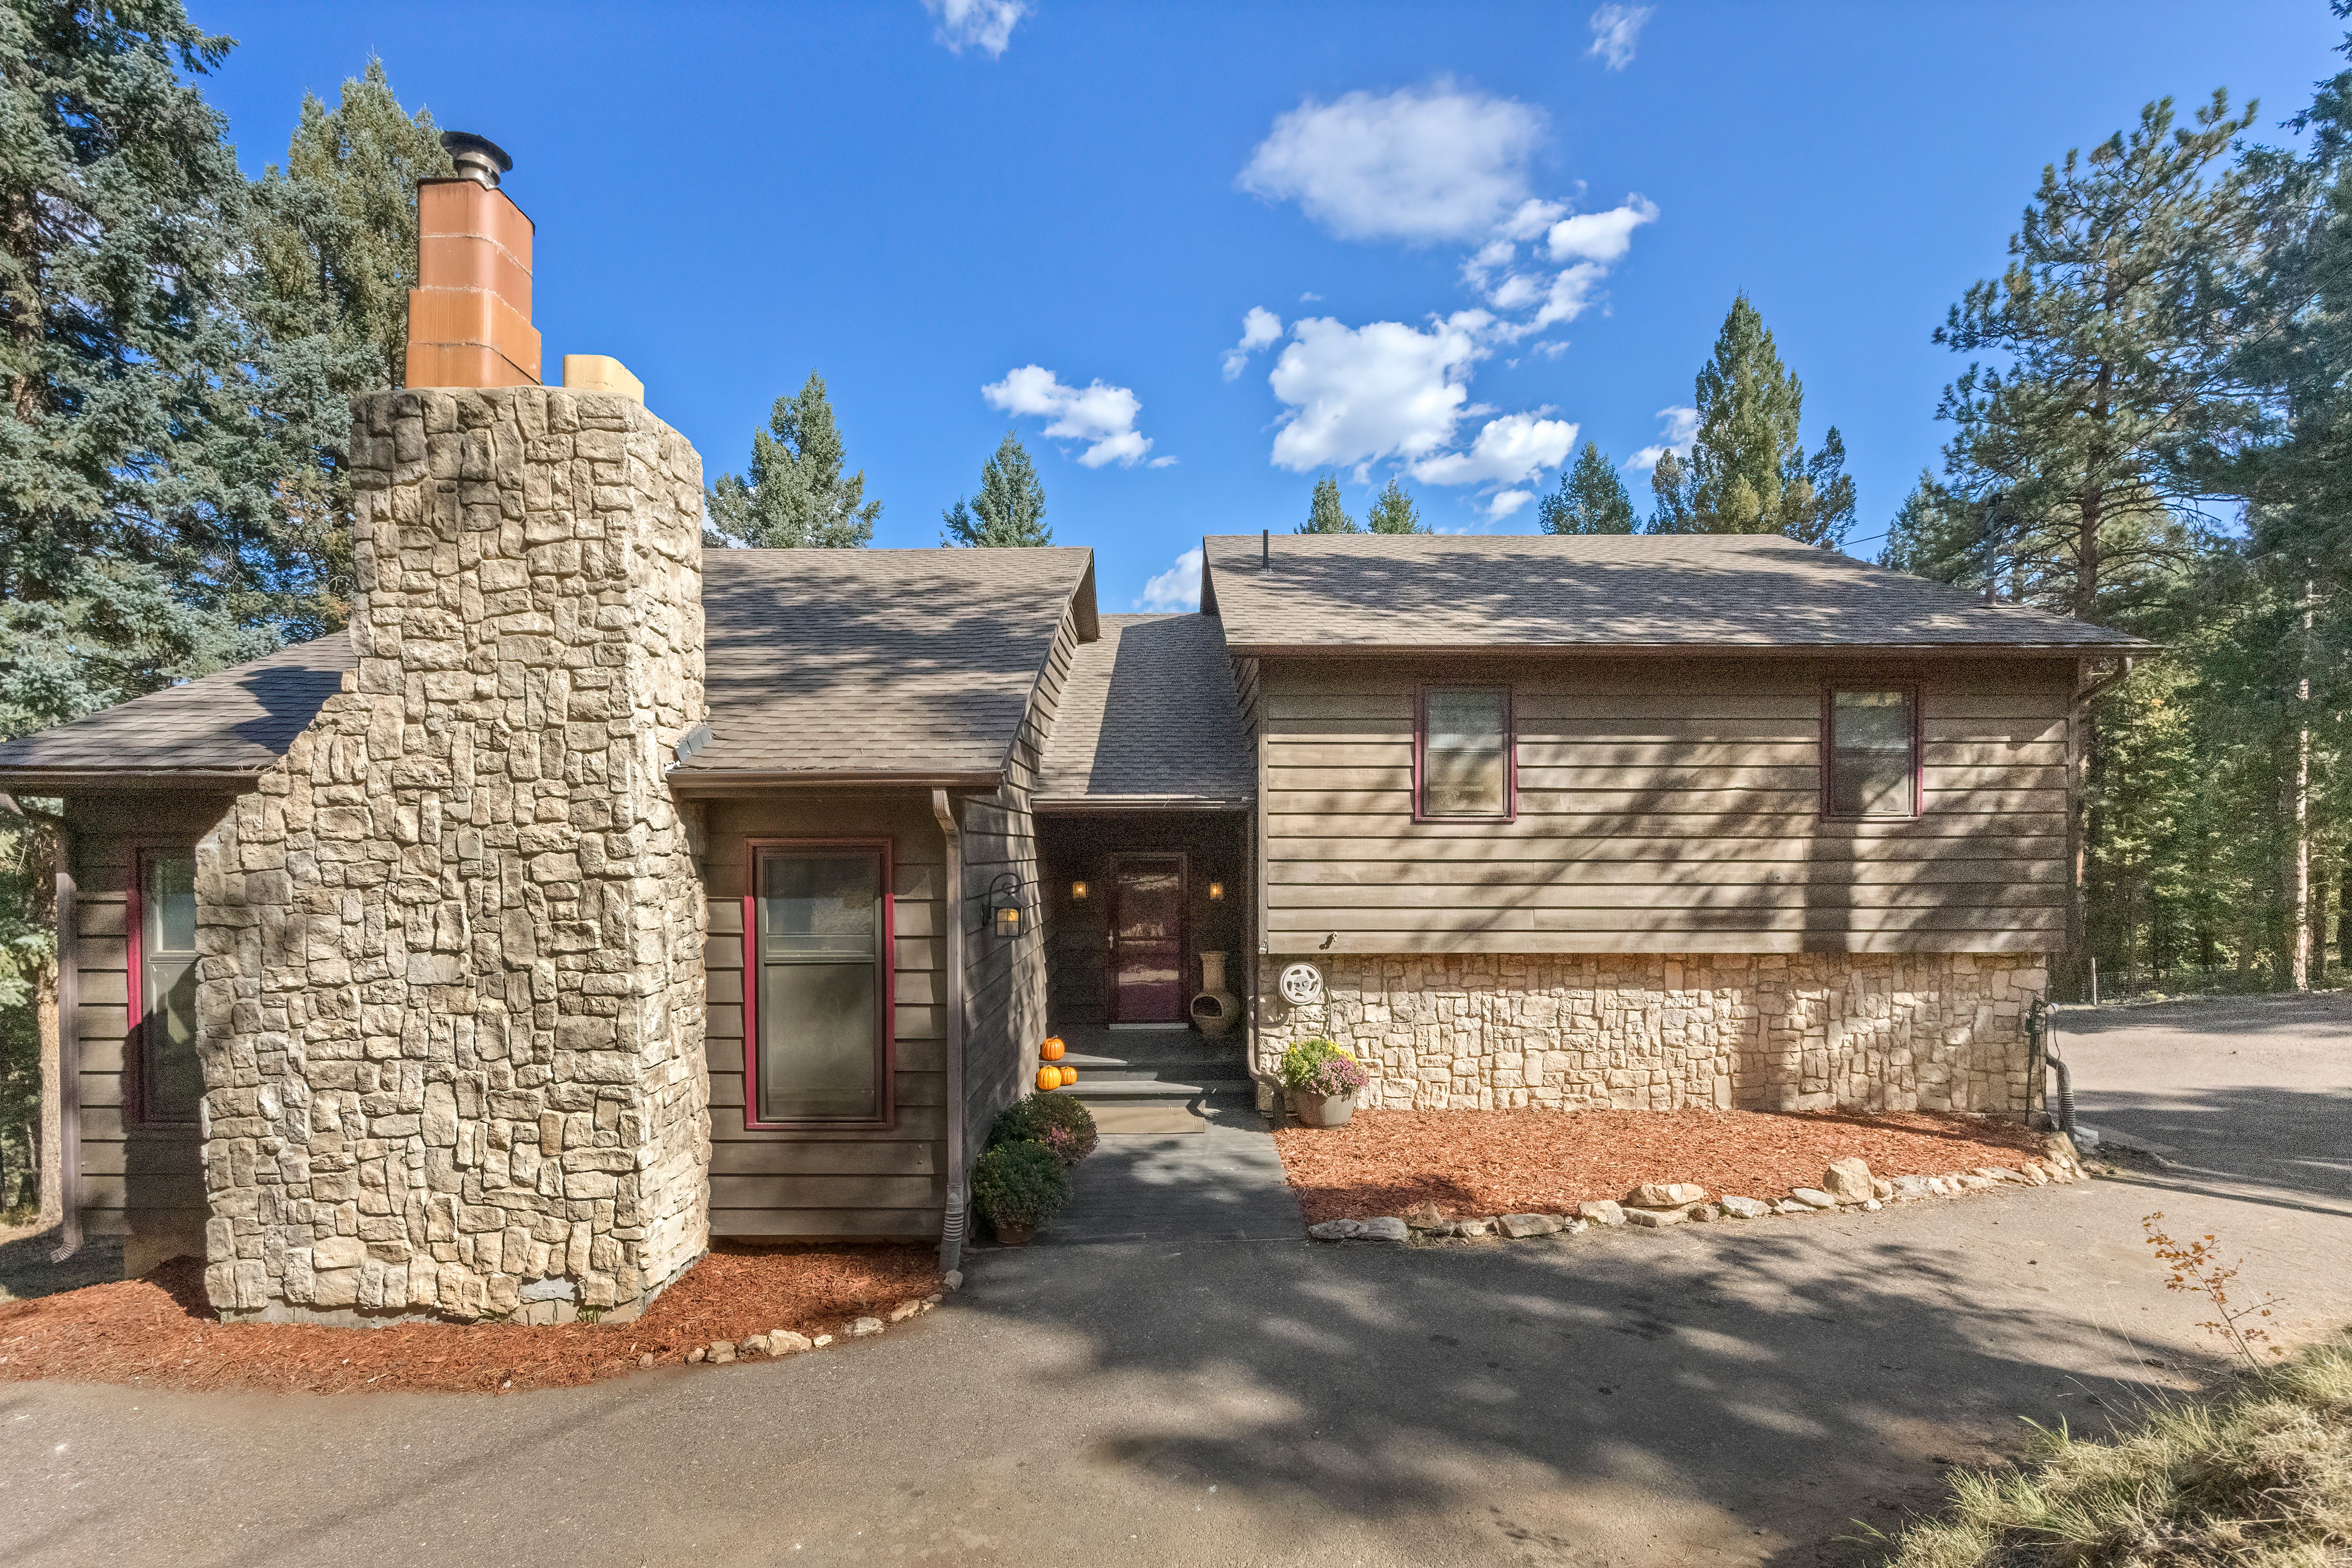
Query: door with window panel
(819, 987)
(170, 1079)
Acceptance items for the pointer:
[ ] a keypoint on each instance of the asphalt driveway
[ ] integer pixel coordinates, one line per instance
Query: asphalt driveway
(1725, 1394)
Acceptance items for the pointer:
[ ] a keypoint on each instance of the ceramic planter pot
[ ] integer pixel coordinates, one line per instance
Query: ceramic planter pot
(1010, 1234)
(1321, 1110)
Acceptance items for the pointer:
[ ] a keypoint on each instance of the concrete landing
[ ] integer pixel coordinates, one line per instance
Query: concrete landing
(1224, 1184)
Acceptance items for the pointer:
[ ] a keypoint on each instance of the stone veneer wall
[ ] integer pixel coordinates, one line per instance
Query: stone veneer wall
(1769, 1032)
(451, 994)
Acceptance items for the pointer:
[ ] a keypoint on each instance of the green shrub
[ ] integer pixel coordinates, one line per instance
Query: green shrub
(1019, 1183)
(1322, 1068)
(1058, 1121)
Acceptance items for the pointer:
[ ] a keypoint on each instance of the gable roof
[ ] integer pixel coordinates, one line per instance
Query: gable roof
(1686, 592)
(221, 728)
(1148, 717)
(857, 662)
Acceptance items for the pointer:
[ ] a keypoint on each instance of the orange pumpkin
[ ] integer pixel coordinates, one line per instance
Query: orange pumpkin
(1048, 1078)
(1070, 1075)
(1052, 1049)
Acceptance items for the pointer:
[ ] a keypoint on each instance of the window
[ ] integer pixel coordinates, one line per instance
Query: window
(819, 986)
(1872, 747)
(1463, 762)
(170, 1079)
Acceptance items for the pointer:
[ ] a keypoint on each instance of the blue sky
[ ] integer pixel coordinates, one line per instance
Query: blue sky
(1465, 229)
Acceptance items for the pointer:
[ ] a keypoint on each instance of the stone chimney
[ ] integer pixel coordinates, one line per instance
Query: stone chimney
(451, 995)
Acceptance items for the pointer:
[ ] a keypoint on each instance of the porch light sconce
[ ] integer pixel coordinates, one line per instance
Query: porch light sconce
(1004, 905)
(1078, 891)
(1216, 890)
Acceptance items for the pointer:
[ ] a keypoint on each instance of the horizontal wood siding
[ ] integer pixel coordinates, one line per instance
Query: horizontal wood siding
(890, 1183)
(145, 1182)
(1665, 807)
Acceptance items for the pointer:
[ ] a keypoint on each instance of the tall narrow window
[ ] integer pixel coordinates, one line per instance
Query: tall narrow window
(822, 956)
(170, 1079)
(1464, 754)
(1874, 753)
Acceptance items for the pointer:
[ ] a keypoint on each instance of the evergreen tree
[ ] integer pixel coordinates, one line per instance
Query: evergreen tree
(1008, 511)
(333, 240)
(1393, 511)
(1748, 471)
(120, 353)
(1325, 515)
(795, 497)
(1592, 498)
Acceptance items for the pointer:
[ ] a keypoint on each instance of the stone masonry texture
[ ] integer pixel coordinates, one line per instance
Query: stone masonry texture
(451, 990)
(1640, 1032)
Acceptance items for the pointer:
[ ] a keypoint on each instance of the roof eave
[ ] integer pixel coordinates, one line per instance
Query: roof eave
(691, 781)
(39, 782)
(1687, 650)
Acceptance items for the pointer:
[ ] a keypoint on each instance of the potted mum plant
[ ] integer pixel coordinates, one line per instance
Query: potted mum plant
(1323, 1081)
(1017, 1187)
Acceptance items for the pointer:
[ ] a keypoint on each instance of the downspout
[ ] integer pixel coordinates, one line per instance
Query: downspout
(958, 1201)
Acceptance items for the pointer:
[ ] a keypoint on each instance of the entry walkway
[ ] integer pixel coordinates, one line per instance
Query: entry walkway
(1224, 1185)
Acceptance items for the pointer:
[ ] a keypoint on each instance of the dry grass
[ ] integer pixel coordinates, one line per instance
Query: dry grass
(2260, 1477)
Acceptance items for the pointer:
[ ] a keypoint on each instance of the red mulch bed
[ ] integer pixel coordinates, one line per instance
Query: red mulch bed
(159, 1332)
(1473, 1163)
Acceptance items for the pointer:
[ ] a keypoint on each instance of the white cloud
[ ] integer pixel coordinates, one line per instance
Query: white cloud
(1682, 429)
(1160, 463)
(1381, 390)
(1178, 588)
(1507, 451)
(1101, 415)
(1599, 237)
(1504, 503)
(1614, 30)
(984, 25)
(1260, 329)
(1311, 298)
(1417, 164)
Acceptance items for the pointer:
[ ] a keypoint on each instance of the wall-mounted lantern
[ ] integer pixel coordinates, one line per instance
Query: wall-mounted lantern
(1004, 905)
(1216, 890)
(1078, 891)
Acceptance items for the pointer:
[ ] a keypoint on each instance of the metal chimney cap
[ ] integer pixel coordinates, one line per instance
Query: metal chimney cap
(478, 158)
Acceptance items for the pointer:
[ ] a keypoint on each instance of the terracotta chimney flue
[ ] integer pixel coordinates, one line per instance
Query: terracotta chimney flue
(470, 314)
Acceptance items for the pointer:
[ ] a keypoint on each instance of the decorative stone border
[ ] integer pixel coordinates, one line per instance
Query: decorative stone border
(1847, 1184)
(777, 1343)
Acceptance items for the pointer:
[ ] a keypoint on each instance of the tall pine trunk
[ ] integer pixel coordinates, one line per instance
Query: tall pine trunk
(2299, 873)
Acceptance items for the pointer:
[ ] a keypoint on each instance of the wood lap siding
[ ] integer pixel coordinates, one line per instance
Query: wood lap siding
(1665, 807)
(887, 1182)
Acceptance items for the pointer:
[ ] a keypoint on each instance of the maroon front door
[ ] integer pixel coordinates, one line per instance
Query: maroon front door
(1147, 939)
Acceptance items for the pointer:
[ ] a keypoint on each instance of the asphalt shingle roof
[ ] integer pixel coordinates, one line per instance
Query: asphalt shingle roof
(1455, 592)
(1149, 713)
(236, 721)
(877, 660)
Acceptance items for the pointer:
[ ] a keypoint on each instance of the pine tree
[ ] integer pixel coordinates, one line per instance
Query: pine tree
(1325, 515)
(1008, 511)
(1592, 498)
(1748, 471)
(120, 353)
(795, 497)
(333, 241)
(1393, 511)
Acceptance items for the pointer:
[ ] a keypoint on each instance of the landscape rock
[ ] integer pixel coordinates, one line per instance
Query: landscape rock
(1881, 1188)
(723, 1352)
(1791, 1206)
(1604, 1212)
(1335, 1229)
(865, 1326)
(1654, 1219)
(954, 1280)
(1473, 1226)
(1702, 1214)
(821, 1341)
(1872, 1205)
(904, 1310)
(755, 1344)
(1848, 1179)
(784, 1341)
(1746, 1209)
(1665, 1196)
(1812, 1197)
(1520, 1225)
(1426, 1216)
(699, 1352)
(647, 1359)
(1387, 1227)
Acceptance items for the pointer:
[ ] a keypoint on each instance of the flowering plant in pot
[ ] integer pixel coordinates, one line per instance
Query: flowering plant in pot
(1017, 1186)
(1323, 1079)
(1060, 1123)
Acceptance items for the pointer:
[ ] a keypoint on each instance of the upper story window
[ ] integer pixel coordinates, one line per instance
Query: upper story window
(1463, 766)
(1871, 752)
(168, 1079)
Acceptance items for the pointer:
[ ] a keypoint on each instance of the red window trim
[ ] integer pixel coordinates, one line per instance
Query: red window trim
(134, 1008)
(885, 1029)
(1827, 752)
(1511, 811)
